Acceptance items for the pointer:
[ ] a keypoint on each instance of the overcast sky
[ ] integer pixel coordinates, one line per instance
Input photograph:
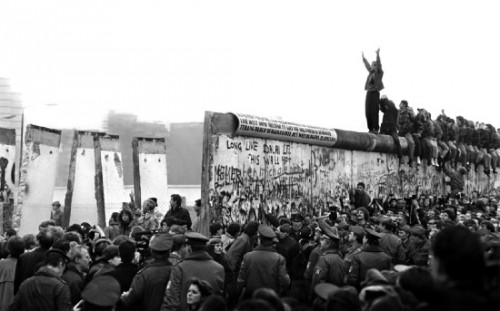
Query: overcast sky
(299, 60)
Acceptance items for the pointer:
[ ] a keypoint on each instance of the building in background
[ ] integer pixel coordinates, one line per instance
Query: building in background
(11, 115)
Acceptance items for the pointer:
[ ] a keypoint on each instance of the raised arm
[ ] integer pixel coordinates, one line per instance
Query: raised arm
(367, 65)
(379, 64)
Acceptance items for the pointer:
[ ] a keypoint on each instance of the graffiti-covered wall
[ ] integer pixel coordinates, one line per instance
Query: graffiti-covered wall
(246, 175)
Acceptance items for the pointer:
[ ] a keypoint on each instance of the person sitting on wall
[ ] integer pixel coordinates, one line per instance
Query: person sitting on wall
(389, 124)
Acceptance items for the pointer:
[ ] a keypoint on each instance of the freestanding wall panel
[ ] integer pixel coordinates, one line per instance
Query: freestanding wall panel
(38, 177)
(112, 174)
(81, 196)
(8, 175)
(150, 171)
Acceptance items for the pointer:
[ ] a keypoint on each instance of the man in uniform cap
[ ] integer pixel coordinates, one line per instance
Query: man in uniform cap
(330, 267)
(371, 256)
(196, 264)
(148, 286)
(263, 267)
(102, 293)
(45, 290)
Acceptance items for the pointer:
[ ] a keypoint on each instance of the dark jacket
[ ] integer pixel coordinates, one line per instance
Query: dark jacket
(263, 267)
(181, 215)
(442, 121)
(405, 122)
(438, 130)
(392, 246)
(361, 199)
(475, 139)
(43, 291)
(311, 264)
(371, 256)
(75, 281)
(196, 265)
(124, 274)
(494, 140)
(390, 120)
(330, 269)
(453, 132)
(148, 286)
(418, 123)
(484, 138)
(290, 250)
(126, 227)
(242, 245)
(428, 129)
(374, 79)
(27, 265)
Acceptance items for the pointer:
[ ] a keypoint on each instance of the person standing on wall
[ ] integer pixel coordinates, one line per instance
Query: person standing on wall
(373, 86)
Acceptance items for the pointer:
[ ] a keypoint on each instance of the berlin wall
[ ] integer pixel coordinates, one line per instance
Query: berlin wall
(149, 156)
(95, 179)
(38, 177)
(251, 162)
(7, 175)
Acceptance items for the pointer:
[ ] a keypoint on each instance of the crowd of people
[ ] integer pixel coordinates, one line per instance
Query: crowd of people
(421, 253)
(436, 141)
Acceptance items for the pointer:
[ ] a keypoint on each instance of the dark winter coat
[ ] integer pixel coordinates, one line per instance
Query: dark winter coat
(330, 269)
(263, 267)
(494, 140)
(484, 138)
(41, 292)
(428, 129)
(418, 123)
(181, 215)
(27, 265)
(438, 130)
(390, 120)
(148, 286)
(453, 132)
(75, 281)
(124, 274)
(290, 250)
(196, 265)
(406, 116)
(474, 137)
(445, 129)
(392, 246)
(371, 256)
